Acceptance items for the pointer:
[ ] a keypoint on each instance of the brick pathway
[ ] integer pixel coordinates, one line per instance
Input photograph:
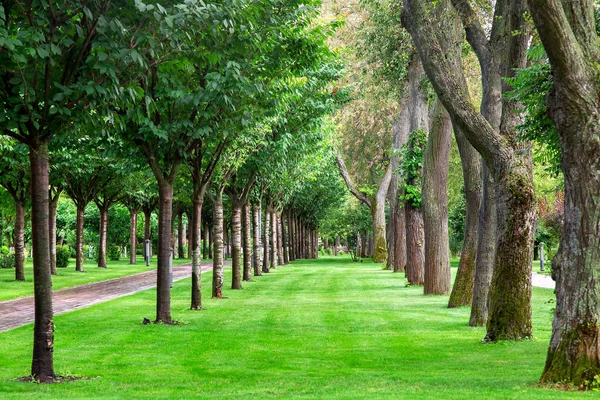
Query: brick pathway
(19, 312)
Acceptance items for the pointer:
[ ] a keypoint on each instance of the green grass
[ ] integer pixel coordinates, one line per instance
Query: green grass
(322, 329)
(67, 277)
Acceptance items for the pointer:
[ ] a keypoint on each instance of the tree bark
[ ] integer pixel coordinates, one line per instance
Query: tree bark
(210, 242)
(247, 273)
(53, 206)
(133, 213)
(568, 34)
(42, 365)
(291, 233)
(266, 239)
(274, 246)
(236, 245)
(462, 291)
(163, 279)
(196, 231)
(102, 237)
(284, 239)
(217, 277)
(436, 160)
(205, 243)
(79, 240)
(147, 230)
(279, 239)
(180, 235)
(19, 241)
(189, 234)
(257, 238)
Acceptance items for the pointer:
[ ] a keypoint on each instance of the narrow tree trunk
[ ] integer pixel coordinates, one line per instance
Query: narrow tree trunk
(195, 230)
(462, 291)
(53, 206)
(210, 242)
(274, 247)
(19, 241)
(266, 239)
(42, 365)
(217, 277)
(180, 235)
(284, 240)
(79, 240)
(236, 245)
(163, 285)
(291, 238)
(189, 235)
(147, 231)
(279, 239)
(435, 203)
(247, 273)
(337, 245)
(205, 244)
(257, 239)
(486, 251)
(132, 235)
(102, 238)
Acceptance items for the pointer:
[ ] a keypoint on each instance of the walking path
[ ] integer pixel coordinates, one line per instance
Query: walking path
(543, 281)
(19, 312)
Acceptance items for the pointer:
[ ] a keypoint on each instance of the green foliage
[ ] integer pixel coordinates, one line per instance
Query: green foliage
(114, 253)
(412, 167)
(456, 224)
(63, 254)
(4, 250)
(7, 260)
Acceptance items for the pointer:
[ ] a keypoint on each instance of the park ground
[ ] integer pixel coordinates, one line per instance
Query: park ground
(326, 328)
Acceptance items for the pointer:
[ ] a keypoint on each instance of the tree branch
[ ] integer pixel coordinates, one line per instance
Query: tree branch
(344, 172)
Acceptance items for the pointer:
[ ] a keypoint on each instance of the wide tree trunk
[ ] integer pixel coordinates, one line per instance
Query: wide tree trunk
(102, 237)
(284, 239)
(19, 240)
(246, 241)
(415, 238)
(236, 245)
(486, 251)
(266, 239)
(257, 238)
(435, 203)
(195, 230)
(462, 290)
(133, 213)
(42, 365)
(274, 246)
(163, 281)
(180, 236)
(567, 32)
(79, 239)
(53, 206)
(378, 222)
(217, 277)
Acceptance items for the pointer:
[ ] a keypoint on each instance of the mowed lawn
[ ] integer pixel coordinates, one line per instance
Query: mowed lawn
(67, 277)
(323, 329)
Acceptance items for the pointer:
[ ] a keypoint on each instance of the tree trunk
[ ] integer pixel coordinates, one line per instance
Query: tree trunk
(284, 240)
(398, 227)
(19, 241)
(180, 236)
(217, 277)
(79, 240)
(210, 242)
(53, 205)
(266, 239)
(102, 237)
(291, 238)
(189, 235)
(205, 243)
(163, 281)
(257, 239)
(462, 291)
(436, 159)
(247, 273)
(486, 251)
(337, 245)
(236, 245)
(274, 247)
(42, 365)
(132, 235)
(415, 239)
(147, 230)
(196, 231)
(378, 222)
(279, 239)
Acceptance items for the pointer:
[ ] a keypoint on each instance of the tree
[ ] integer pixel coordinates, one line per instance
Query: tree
(567, 32)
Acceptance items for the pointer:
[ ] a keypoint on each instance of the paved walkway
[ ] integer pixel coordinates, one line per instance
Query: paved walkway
(543, 281)
(19, 312)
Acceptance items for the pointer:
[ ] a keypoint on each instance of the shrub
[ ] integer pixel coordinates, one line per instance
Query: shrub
(4, 250)
(341, 253)
(63, 253)
(114, 253)
(328, 251)
(7, 260)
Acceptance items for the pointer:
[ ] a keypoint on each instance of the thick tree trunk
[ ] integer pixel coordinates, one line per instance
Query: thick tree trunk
(247, 273)
(462, 291)
(435, 203)
(415, 238)
(284, 239)
(102, 237)
(195, 230)
(486, 251)
(163, 281)
(42, 365)
(19, 238)
(217, 277)
(79, 239)
(180, 235)
(53, 206)
(132, 235)
(398, 228)
(257, 239)
(266, 239)
(378, 222)
(236, 245)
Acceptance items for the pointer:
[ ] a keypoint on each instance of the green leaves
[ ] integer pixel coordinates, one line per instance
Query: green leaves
(411, 161)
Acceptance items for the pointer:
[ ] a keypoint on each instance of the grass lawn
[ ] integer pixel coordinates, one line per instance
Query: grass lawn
(326, 328)
(67, 277)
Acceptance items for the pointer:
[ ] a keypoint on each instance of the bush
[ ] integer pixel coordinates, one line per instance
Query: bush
(341, 253)
(114, 253)
(7, 260)
(4, 250)
(328, 251)
(63, 253)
